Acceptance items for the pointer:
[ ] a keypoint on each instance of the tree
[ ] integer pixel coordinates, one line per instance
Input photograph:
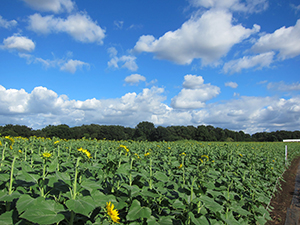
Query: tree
(144, 130)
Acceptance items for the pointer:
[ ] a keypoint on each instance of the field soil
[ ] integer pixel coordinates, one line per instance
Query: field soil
(283, 198)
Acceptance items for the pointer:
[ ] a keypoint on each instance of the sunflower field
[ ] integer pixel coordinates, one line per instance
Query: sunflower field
(89, 181)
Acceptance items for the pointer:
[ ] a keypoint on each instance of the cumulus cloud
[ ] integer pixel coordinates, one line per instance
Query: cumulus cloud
(250, 6)
(282, 86)
(19, 43)
(80, 26)
(208, 37)
(231, 84)
(7, 24)
(194, 94)
(42, 107)
(284, 40)
(258, 61)
(125, 61)
(56, 6)
(134, 79)
(252, 114)
(72, 65)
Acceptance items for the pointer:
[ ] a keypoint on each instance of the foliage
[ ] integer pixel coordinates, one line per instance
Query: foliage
(145, 131)
(89, 181)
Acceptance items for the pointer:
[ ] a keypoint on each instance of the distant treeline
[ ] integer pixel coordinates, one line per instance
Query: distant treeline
(145, 131)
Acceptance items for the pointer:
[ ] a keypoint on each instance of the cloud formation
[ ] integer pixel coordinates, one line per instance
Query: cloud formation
(19, 43)
(282, 86)
(134, 79)
(283, 40)
(72, 65)
(208, 37)
(42, 107)
(66, 65)
(125, 61)
(56, 6)
(7, 24)
(194, 94)
(234, 5)
(258, 61)
(231, 84)
(80, 26)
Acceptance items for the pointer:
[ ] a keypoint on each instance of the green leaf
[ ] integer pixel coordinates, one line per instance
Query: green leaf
(43, 211)
(101, 199)
(137, 212)
(53, 165)
(211, 204)
(90, 184)
(161, 176)
(29, 176)
(4, 177)
(164, 220)
(178, 204)
(6, 218)
(25, 202)
(82, 204)
(63, 177)
(4, 196)
(133, 190)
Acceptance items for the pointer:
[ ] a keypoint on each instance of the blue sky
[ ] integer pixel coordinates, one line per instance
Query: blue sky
(227, 63)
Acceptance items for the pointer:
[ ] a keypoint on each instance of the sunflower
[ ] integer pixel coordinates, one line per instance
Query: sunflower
(47, 154)
(113, 213)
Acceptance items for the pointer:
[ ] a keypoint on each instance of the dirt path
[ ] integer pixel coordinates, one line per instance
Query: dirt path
(282, 199)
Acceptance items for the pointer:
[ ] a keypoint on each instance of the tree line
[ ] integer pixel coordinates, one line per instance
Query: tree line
(145, 131)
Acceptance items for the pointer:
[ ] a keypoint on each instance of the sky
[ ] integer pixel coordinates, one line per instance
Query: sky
(232, 64)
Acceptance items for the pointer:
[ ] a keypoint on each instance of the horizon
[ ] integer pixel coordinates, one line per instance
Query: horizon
(232, 64)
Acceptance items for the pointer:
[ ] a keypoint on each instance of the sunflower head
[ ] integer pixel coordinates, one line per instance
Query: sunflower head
(113, 213)
(47, 155)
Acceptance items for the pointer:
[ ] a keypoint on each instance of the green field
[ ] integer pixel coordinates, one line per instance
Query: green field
(55, 181)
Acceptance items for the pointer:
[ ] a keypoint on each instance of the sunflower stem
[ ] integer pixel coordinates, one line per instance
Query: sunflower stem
(11, 176)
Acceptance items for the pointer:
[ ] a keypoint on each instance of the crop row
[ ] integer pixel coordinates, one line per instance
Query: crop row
(55, 181)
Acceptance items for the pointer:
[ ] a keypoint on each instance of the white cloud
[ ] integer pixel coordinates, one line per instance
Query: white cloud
(118, 24)
(7, 24)
(295, 7)
(234, 5)
(42, 107)
(282, 86)
(72, 65)
(258, 61)
(231, 84)
(134, 78)
(284, 40)
(194, 96)
(208, 37)
(192, 81)
(80, 26)
(126, 61)
(56, 6)
(19, 43)
(67, 65)
(252, 114)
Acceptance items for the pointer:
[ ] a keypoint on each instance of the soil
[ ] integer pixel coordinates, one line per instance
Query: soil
(283, 198)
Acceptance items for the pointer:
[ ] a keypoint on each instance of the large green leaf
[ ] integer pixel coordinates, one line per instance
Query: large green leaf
(211, 204)
(138, 212)
(82, 204)
(198, 221)
(161, 176)
(90, 184)
(6, 218)
(43, 211)
(25, 202)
